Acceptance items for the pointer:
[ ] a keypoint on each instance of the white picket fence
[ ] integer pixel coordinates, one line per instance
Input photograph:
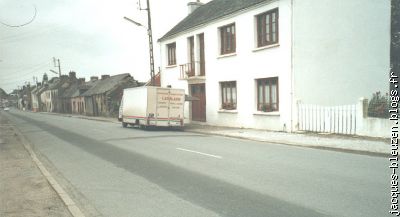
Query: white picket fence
(335, 119)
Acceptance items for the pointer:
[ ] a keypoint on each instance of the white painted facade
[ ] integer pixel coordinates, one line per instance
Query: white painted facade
(48, 98)
(342, 49)
(319, 59)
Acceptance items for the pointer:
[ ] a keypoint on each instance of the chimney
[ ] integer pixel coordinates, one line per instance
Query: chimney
(81, 81)
(72, 75)
(94, 78)
(64, 77)
(104, 77)
(192, 6)
(45, 78)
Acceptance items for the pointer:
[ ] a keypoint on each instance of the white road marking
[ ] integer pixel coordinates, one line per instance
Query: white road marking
(197, 152)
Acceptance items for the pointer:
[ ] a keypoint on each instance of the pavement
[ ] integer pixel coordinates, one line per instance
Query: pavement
(24, 190)
(346, 143)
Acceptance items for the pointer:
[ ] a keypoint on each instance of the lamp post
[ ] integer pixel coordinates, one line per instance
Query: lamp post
(150, 34)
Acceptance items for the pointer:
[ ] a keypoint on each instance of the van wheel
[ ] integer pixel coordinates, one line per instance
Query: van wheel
(124, 124)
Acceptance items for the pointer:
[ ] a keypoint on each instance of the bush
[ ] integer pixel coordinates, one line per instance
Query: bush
(378, 106)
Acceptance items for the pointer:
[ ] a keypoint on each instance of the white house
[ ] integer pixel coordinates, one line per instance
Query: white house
(250, 62)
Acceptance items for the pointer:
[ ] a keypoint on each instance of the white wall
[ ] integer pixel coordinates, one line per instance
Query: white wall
(243, 67)
(369, 126)
(341, 50)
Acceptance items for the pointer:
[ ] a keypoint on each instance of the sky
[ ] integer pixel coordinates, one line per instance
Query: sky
(89, 37)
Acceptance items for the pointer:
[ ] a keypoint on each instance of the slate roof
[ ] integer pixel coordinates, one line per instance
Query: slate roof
(213, 10)
(42, 89)
(54, 83)
(69, 92)
(35, 89)
(105, 85)
(84, 87)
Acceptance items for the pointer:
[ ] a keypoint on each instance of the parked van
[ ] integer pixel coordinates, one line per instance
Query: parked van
(152, 106)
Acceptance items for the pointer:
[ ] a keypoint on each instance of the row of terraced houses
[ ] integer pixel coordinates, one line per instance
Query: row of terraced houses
(69, 94)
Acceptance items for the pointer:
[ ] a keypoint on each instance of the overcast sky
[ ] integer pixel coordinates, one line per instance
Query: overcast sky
(89, 37)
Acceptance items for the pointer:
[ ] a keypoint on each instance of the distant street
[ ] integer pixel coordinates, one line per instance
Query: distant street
(113, 171)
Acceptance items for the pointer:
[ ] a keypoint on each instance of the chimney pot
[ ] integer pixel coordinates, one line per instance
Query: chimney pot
(81, 81)
(104, 77)
(72, 75)
(192, 6)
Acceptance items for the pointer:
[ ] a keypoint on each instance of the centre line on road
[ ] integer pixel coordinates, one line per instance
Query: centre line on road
(197, 152)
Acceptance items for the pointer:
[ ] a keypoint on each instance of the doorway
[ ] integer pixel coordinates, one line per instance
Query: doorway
(198, 106)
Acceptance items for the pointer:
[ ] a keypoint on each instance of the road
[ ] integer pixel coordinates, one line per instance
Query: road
(115, 171)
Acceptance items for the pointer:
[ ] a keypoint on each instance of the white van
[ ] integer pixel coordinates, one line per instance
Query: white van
(152, 106)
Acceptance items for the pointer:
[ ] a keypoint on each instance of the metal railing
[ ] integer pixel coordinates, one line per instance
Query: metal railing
(192, 69)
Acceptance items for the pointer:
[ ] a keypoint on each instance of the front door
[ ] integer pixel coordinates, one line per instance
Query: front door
(198, 106)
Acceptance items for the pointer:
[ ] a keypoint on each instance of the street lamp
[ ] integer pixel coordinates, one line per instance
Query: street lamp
(132, 21)
(150, 34)
(51, 70)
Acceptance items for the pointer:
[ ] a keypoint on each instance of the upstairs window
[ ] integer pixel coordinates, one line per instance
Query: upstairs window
(267, 94)
(171, 48)
(228, 39)
(267, 28)
(228, 94)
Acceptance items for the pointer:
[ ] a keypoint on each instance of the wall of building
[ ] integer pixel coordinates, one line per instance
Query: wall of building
(244, 67)
(341, 50)
(78, 105)
(46, 99)
(35, 102)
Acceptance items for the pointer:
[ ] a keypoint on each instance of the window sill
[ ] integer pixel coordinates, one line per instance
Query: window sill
(265, 47)
(170, 66)
(226, 55)
(276, 113)
(227, 111)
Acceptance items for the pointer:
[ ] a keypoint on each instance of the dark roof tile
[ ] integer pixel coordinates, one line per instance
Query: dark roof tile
(105, 85)
(211, 11)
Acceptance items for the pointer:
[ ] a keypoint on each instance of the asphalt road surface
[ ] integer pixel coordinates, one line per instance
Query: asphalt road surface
(115, 171)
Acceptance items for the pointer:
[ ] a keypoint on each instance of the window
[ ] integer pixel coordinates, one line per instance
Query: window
(228, 94)
(228, 39)
(267, 94)
(171, 54)
(267, 28)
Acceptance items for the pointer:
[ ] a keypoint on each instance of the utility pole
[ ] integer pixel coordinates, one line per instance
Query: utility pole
(150, 34)
(57, 64)
(150, 43)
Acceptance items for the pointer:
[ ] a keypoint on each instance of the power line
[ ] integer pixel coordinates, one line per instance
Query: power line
(27, 71)
(36, 32)
(24, 68)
